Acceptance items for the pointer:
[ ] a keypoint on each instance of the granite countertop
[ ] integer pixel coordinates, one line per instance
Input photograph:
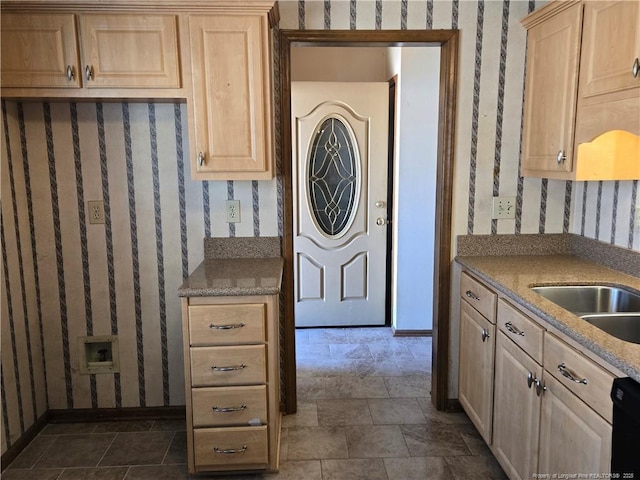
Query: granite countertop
(513, 275)
(234, 276)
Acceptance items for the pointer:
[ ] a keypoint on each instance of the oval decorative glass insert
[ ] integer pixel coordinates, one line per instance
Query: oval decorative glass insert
(333, 176)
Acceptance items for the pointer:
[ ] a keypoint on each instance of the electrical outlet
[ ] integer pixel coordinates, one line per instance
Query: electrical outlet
(233, 211)
(504, 207)
(96, 211)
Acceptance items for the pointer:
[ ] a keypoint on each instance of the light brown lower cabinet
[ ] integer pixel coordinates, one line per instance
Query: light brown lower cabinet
(548, 403)
(573, 437)
(516, 417)
(477, 345)
(232, 383)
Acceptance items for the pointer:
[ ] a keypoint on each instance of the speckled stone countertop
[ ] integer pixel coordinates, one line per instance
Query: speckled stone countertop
(216, 277)
(513, 275)
(236, 266)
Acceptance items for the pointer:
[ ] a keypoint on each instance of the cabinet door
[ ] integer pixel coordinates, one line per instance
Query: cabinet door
(573, 438)
(477, 348)
(231, 97)
(610, 46)
(130, 51)
(516, 410)
(609, 91)
(39, 50)
(553, 53)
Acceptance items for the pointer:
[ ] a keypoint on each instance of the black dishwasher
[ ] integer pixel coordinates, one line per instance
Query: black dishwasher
(625, 446)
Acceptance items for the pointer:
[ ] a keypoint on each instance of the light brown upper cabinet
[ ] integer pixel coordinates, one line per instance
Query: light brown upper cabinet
(39, 50)
(609, 93)
(215, 55)
(582, 87)
(553, 54)
(231, 118)
(130, 51)
(43, 51)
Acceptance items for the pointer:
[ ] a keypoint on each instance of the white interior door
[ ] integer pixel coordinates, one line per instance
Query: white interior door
(339, 135)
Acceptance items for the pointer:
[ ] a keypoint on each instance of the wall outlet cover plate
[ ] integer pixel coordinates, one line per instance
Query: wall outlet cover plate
(233, 211)
(504, 207)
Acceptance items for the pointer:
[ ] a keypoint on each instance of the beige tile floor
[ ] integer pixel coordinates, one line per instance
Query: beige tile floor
(364, 412)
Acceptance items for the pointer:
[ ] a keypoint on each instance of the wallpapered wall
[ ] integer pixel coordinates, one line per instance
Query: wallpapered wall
(63, 278)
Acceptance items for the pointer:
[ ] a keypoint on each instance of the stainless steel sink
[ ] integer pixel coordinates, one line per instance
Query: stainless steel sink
(625, 326)
(588, 299)
(612, 309)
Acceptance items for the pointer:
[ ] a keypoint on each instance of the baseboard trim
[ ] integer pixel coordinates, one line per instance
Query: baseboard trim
(411, 333)
(21, 443)
(453, 405)
(77, 415)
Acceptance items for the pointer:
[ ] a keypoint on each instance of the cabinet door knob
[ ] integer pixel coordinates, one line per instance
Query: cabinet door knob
(88, 72)
(485, 335)
(540, 388)
(530, 379)
(636, 68)
(71, 72)
(200, 159)
(562, 157)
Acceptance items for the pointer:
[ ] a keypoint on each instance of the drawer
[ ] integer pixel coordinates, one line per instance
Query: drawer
(234, 446)
(218, 366)
(226, 406)
(521, 329)
(226, 324)
(595, 392)
(480, 297)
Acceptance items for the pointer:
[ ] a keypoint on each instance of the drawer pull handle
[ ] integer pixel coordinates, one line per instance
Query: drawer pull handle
(230, 451)
(485, 335)
(570, 374)
(229, 368)
(472, 295)
(229, 409)
(230, 326)
(509, 326)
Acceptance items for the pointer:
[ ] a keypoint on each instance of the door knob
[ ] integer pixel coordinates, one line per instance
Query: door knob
(380, 204)
(381, 221)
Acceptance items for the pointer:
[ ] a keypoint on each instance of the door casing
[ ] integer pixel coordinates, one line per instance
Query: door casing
(448, 40)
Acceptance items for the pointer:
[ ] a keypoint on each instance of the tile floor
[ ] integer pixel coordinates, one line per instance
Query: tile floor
(364, 413)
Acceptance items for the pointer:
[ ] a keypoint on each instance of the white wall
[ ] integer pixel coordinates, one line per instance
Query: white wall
(414, 189)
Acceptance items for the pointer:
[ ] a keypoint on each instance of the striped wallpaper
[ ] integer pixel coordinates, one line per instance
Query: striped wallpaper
(63, 278)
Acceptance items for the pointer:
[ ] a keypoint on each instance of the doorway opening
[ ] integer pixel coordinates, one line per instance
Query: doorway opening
(448, 42)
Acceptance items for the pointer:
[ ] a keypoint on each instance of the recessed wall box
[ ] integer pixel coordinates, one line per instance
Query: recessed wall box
(98, 354)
